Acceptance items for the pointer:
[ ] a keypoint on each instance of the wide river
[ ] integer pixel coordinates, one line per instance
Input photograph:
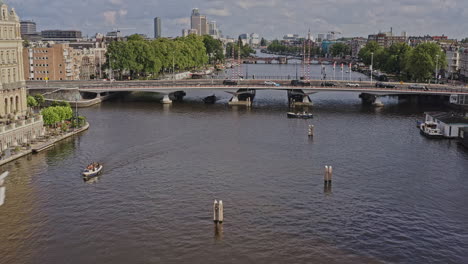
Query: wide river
(397, 197)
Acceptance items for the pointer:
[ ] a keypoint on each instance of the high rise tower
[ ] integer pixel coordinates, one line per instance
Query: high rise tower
(157, 27)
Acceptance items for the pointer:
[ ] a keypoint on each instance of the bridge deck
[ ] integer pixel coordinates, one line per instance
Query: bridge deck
(372, 90)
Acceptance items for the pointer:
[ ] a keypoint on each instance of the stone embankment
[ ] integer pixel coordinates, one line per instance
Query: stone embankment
(40, 146)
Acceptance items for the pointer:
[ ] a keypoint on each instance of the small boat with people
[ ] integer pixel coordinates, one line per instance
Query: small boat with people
(92, 170)
(304, 115)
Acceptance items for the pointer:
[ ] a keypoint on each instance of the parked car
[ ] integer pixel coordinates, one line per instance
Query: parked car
(352, 85)
(229, 82)
(328, 84)
(269, 83)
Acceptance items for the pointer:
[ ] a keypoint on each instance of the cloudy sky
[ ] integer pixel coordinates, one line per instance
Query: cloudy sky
(269, 18)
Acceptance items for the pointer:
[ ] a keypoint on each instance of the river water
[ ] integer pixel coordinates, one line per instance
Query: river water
(397, 197)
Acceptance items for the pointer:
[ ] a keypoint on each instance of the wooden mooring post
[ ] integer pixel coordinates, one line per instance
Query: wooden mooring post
(2, 189)
(218, 212)
(311, 130)
(328, 174)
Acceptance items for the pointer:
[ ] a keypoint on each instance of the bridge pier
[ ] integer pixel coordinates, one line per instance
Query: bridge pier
(179, 96)
(371, 99)
(166, 99)
(298, 98)
(243, 97)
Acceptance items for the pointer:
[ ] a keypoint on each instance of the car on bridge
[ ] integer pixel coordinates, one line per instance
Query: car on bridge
(352, 85)
(229, 82)
(419, 87)
(328, 84)
(384, 85)
(270, 83)
(299, 83)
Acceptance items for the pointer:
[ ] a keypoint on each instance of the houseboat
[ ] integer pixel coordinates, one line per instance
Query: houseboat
(443, 125)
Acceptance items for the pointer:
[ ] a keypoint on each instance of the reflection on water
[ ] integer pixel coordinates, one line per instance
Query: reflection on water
(396, 197)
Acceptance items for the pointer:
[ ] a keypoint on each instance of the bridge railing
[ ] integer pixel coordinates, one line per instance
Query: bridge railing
(289, 77)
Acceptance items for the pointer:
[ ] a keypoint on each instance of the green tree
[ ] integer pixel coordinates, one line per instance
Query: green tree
(61, 103)
(50, 116)
(31, 101)
(340, 49)
(394, 59)
(214, 49)
(263, 42)
(422, 60)
(365, 54)
(39, 99)
(135, 37)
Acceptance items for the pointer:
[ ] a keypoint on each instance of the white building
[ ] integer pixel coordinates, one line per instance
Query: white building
(254, 39)
(16, 127)
(453, 60)
(464, 63)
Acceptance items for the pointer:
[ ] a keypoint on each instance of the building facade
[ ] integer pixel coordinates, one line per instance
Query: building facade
(386, 40)
(13, 93)
(16, 128)
(67, 61)
(356, 45)
(464, 63)
(61, 35)
(157, 27)
(28, 27)
(453, 60)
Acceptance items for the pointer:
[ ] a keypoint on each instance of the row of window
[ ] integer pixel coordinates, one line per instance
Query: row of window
(40, 65)
(9, 75)
(39, 58)
(9, 32)
(40, 79)
(41, 51)
(8, 56)
(41, 72)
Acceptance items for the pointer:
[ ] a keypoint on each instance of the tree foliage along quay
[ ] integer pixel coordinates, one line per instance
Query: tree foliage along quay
(214, 49)
(144, 58)
(55, 114)
(415, 64)
(245, 50)
(31, 101)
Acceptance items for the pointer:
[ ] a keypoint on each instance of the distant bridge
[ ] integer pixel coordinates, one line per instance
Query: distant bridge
(286, 59)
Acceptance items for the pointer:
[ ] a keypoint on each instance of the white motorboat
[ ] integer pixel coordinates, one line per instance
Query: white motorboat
(430, 130)
(92, 170)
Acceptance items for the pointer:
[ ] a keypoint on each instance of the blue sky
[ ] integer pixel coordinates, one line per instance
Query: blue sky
(269, 18)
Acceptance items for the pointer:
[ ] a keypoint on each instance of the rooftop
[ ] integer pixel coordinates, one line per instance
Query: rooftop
(449, 118)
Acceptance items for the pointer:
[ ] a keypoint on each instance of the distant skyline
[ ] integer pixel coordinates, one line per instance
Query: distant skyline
(269, 18)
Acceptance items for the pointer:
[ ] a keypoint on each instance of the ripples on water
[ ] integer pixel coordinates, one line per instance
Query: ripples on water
(396, 197)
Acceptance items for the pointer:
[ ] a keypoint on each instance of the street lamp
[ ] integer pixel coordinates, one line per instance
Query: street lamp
(371, 66)
(110, 67)
(436, 70)
(173, 66)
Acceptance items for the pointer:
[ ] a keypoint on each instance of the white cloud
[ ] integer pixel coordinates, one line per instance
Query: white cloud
(110, 17)
(116, 2)
(123, 12)
(218, 12)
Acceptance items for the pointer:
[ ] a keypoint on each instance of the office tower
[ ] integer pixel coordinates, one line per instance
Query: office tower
(157, 27)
